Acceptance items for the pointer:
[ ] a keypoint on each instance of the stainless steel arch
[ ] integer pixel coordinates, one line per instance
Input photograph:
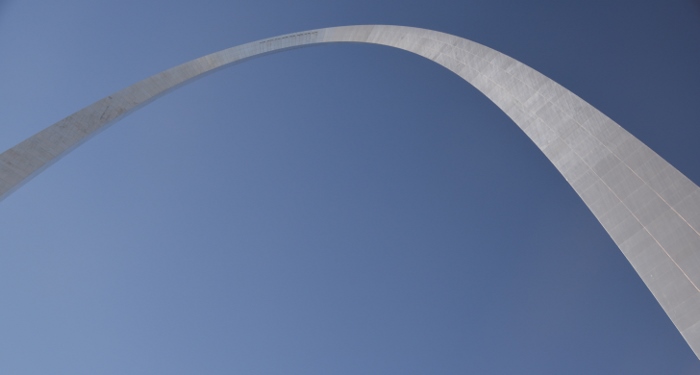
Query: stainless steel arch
(650, 210)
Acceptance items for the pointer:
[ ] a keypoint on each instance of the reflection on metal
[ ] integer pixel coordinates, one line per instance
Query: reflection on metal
(650, 210)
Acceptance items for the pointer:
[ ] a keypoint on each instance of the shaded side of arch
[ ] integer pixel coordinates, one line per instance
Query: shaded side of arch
(650, 210)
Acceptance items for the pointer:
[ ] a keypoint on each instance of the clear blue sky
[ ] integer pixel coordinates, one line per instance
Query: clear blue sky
(342, 209)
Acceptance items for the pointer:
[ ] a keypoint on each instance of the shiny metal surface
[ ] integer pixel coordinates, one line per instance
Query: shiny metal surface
(650, 210)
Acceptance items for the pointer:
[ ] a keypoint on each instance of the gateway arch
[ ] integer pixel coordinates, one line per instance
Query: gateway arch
(649, 208)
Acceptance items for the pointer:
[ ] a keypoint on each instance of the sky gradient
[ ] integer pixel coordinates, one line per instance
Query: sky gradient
(338, 209)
